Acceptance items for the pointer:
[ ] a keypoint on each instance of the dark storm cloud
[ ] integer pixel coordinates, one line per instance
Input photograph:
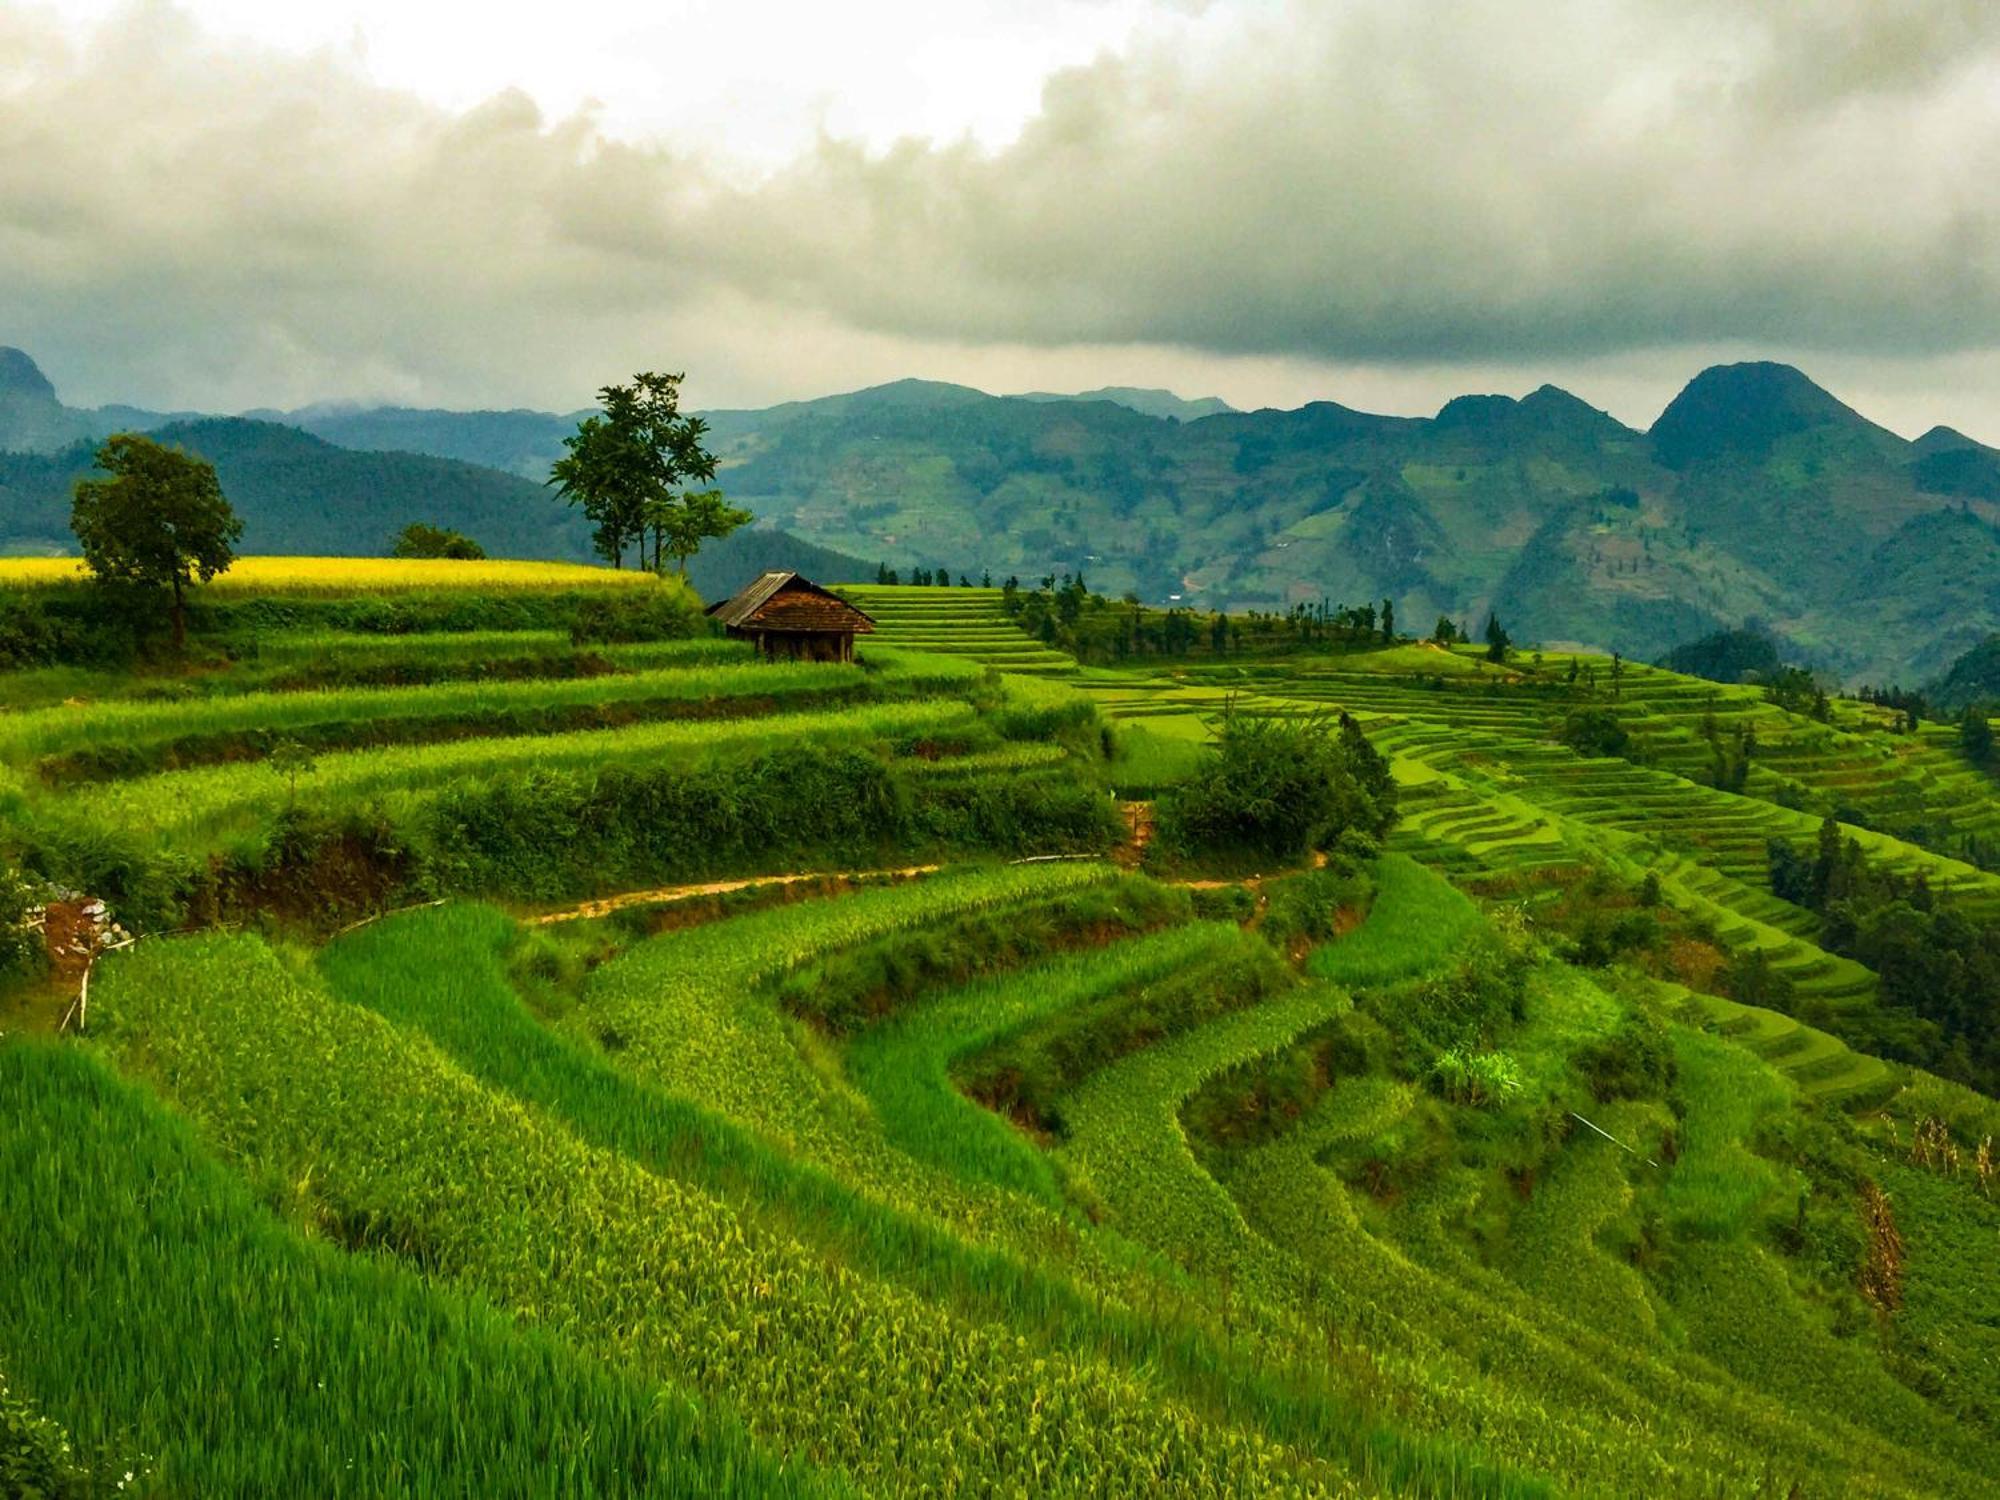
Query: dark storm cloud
(1364, 182)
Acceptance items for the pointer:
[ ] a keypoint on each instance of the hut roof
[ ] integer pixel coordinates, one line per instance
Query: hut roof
(785, 601)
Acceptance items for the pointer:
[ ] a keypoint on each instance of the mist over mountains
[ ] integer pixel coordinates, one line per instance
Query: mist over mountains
(1756, 496)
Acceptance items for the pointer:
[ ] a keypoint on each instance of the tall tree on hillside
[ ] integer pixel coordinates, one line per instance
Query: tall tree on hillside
(693, 519)
(1497, 639)
(625, 466)
(1388, 622)
(158, 519)
(1975, 735)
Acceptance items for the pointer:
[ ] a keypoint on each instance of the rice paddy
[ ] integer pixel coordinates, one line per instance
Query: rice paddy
(1039, 1166)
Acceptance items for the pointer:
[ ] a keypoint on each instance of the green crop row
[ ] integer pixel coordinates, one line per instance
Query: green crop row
(181, 1332)
(128, 724)
(444, 971)
(322, 1103)
(179, 805)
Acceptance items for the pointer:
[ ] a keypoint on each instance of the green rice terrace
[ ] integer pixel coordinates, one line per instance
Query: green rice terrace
(509, 1038)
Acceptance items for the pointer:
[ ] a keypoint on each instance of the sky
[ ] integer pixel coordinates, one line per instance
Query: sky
(224, 204)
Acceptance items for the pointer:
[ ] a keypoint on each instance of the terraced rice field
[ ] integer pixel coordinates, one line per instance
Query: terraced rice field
(955, 621)
(1018, 1171)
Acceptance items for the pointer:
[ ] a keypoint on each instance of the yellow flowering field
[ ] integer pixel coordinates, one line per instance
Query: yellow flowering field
(342, 575)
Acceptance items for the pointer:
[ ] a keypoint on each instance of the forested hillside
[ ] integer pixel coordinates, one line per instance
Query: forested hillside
(1757, 497)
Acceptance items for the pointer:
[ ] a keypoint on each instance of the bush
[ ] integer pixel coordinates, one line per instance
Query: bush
(1634, 1062)
(1594, 731)
(1025, 1075)
(420, 539)
(1277, 789)
(36, 1460)
(1302, 910)
(854, 987)
(23, 955)
(636, 615)
(1476, 1078)
(102, 626)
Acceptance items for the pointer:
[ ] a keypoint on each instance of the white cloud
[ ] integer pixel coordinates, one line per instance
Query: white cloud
(1380, 201)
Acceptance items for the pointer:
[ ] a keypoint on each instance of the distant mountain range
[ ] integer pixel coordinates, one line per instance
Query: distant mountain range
(1756, 497)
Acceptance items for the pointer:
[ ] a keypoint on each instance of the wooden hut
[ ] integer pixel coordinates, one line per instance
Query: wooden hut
(794, 618)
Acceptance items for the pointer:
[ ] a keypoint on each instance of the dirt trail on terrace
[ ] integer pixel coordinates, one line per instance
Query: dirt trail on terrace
(603, 906)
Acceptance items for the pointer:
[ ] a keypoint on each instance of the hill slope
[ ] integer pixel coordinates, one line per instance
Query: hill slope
(1756, 495)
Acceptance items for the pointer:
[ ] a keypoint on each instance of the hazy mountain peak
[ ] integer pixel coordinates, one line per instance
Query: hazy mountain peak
(1743, 410)
(21, 377)
(1942, 439)
(1151, 401)
(1548, 408)
(1475, 411)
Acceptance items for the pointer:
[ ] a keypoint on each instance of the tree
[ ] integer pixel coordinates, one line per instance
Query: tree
(695, 518)
(290, 759)
(1388, 622)
(160, 520)
(421, 539)
(1975, 735)
(1278, 788)
(1444, 632)
(1497, 639)
(625, 465)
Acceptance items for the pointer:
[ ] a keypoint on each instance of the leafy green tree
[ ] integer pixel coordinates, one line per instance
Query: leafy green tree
(421, 539)
(1278, 788)
(1594, 731)
(625, 464)
(290, 759)
(1975, 735)
(1444, 632)
(158, 520)
(1498, 642)
(1388, 622)
(684, 523)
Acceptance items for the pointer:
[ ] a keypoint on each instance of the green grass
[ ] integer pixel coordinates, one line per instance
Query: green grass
(159, 1311)
(642, 1271)
(182, 805)
(26, 736)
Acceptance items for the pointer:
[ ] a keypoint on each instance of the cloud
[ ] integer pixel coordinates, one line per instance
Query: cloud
(1386, 181)
(1457, 185)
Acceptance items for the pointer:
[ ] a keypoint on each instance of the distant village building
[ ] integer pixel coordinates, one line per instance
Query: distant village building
(794, 618)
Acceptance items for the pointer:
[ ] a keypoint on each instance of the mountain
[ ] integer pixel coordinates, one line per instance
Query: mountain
(1148, 401)
(300, 494)
(517, 442)
(31, 418)
(1972, 678)
(1745, 411)
(1755, 495)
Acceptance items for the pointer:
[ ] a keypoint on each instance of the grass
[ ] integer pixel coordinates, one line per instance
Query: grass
(646, 1273)
(175, 1326)
(25, 736)
(193, 804)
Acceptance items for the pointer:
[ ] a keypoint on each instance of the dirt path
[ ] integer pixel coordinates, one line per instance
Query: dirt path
(661, 895)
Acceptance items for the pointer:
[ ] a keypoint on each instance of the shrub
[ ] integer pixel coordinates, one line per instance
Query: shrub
(1302, 910)
(421, 539)
(636, 615)
(1477, 1078)
(856, 986)
(1277, 788)
(36, 1460)
(1594, 731)
(1634, 1062)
